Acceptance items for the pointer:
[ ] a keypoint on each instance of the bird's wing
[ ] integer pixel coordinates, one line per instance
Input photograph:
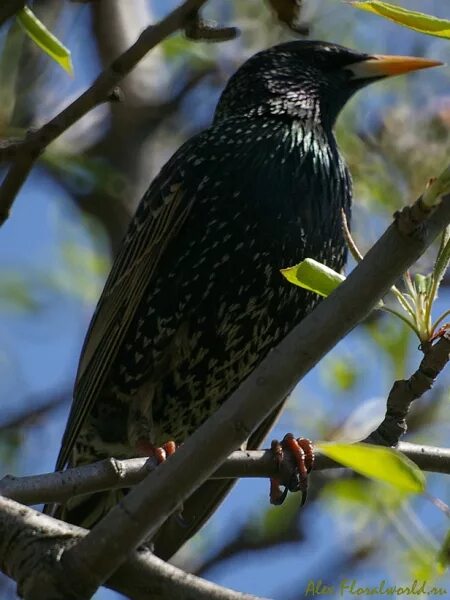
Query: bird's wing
(159, 217)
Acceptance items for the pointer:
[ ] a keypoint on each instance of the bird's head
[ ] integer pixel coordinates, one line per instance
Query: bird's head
(306, 79)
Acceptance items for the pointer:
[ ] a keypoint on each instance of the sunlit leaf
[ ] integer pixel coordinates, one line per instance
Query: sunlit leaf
(313, 276)
(420, 563)
(41, 36)
(422, 282)
(444, 554)
(383, 464)
(179, 47)
(408, 18)
(442, 259)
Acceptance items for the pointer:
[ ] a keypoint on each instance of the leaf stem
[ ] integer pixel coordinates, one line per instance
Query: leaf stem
(439, 320)
(402, 317)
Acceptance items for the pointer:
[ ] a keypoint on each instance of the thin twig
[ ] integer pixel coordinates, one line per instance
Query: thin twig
(27, 152)
(354, 251)
(208, 31)
(404, 392)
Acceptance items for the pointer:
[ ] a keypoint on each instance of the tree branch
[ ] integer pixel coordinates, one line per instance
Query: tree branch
(26, 152)
(112, 474)
(31, 545)
(208, 31)
(148, 505)
(404, 392)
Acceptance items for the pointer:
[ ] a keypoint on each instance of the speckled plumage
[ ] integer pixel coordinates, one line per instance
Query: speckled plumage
(195, 299)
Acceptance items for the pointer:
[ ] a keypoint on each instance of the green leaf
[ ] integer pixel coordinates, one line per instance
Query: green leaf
(41, 36)
(376, 462)
(313, 276)
(443, 560)
(179, 47)
(422, 283)
(443, 258)
(408, 18)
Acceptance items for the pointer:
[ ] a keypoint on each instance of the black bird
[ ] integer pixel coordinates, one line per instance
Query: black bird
(195, 298)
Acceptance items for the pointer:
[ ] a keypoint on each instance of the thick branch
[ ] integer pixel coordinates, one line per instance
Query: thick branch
(26, 152)
(148, 505)
(31, 545)
(116, 474)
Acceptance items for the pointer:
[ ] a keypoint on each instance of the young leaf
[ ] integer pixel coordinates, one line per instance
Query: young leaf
(313, 276)
(423, 283)
(443, 258)
(41, 36)
(408, 18)
(376, 462)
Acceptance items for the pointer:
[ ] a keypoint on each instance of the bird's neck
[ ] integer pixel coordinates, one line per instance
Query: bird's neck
(305, 119)
(284, 108)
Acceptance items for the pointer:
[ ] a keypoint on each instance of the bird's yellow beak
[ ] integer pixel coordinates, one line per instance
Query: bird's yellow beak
(382, 65)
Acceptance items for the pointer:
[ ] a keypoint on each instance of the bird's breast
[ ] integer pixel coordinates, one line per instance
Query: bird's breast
(217, 302)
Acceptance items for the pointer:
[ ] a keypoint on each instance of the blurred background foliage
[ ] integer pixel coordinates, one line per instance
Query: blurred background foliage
(56, 249)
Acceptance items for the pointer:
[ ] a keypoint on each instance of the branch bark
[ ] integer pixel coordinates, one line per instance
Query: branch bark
(116, 474)
(140, 514)
(405, 391)
(31, 545)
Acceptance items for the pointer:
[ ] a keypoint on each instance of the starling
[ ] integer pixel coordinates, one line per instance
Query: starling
(195, 299)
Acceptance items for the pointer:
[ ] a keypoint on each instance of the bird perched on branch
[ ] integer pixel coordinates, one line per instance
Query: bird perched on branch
(195, 299)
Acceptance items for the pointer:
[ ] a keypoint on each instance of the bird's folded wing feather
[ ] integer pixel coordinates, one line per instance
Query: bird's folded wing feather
(161, 213)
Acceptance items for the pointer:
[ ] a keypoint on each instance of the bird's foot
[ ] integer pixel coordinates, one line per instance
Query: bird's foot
(158, 453)
(302, 451)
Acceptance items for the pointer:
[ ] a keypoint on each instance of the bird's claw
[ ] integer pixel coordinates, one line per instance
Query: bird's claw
(302, 451)
(157, 453)
(160, 454)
